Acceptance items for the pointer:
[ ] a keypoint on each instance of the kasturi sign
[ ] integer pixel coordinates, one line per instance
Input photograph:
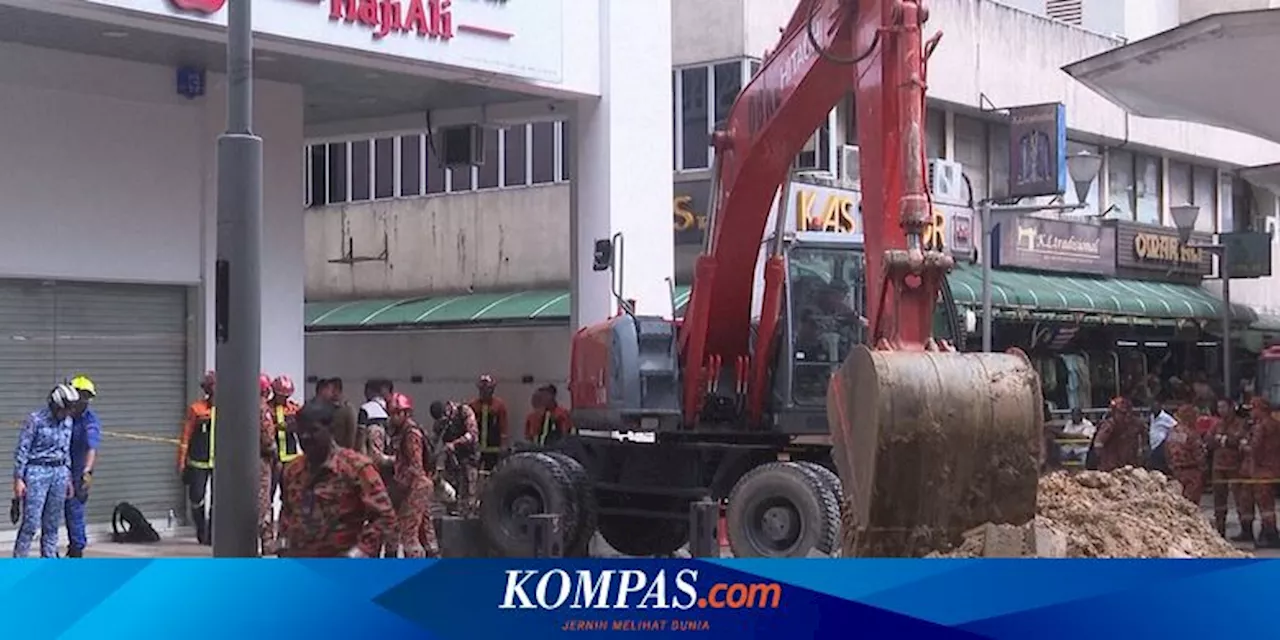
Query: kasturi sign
(1055, 245)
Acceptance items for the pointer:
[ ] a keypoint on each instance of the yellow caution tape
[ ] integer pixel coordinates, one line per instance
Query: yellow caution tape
(123, 435)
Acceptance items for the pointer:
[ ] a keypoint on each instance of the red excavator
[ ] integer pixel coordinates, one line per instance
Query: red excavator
(768, 384)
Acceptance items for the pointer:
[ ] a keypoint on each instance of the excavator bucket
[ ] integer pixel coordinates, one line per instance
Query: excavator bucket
(930, 445)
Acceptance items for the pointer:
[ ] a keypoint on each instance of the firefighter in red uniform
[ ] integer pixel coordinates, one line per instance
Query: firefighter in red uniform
(281, 409)
(268, 458)
(412, 487)
(1120, 437)
(491, 416)
(195, 458)
(1185, 451)
(335, 503)
(1223, 440)
(548, 422)
(1263, 447)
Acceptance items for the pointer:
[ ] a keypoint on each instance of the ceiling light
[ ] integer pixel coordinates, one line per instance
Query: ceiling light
(115, 34)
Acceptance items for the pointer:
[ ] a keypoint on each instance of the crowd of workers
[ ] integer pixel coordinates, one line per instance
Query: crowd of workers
(1234, 448)
(361, 481)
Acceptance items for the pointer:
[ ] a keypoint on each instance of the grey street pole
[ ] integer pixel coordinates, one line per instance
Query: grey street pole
(984, 212)
(239, 331)
(1226, 321)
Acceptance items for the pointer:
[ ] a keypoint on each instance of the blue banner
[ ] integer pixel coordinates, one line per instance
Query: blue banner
(740, 599)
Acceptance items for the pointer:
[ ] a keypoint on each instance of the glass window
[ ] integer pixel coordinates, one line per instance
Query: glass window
(566, 151)
(728, 78)
(935, 133)
(827, 297)
(384, 168)
(488, 172)
(998, 159)
(460, 179)
(816, 153)
(1120, 188)
(360, 170)
(411, 165)
(971, 152)
(337, 172)
(1204, 193)
(544, 152)
(695, 128)
(1147, 185)
(1179, 183)
(1226, 197)
(514, 164)
(319, 175)
(1091, 205)
(435, 170)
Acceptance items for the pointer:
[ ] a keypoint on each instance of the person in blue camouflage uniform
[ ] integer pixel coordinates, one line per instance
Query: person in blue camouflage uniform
(42, 471)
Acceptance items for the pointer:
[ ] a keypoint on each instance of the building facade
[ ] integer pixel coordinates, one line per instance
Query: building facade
(490, 244)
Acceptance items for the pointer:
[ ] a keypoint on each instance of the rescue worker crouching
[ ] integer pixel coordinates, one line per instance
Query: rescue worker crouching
(411, 489)
(86, 435)
(42, 471)
(282, 410)
(196, 457)
(459, 435)
(268, 458)
(548, 422)
(491, 417)
(335, 503)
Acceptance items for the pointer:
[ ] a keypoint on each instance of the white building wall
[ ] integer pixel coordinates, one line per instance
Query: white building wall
(108, 175)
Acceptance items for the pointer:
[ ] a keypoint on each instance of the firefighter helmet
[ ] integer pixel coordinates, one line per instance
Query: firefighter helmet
(209, 381)
(485, 382)
(264, 384)
(63, 396)
(85, 386)
(399, 402)
(282, 386)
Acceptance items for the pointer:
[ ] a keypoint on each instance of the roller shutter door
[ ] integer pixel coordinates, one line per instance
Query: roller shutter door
(131, 340)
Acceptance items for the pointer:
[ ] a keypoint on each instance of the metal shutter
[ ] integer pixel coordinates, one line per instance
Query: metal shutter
(131, 340)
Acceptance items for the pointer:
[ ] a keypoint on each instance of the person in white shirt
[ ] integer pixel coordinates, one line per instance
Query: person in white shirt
(1161, 424)
(1077, 428)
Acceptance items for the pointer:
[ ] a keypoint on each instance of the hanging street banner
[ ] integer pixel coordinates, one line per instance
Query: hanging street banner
(1037, 150)
(1248, 254)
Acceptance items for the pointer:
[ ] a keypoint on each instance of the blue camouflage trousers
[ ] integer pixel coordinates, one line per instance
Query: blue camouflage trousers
(42, 510)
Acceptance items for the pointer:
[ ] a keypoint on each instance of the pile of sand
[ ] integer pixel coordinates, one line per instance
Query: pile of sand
(1129, 513)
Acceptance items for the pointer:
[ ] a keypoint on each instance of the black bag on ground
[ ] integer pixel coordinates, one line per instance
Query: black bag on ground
(128, 525)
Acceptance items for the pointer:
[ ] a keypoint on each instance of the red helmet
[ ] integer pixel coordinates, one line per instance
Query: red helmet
(282, 386)
(264, 384)
(208, 381)
(399, 402)
(485, 382)
(1121, 404)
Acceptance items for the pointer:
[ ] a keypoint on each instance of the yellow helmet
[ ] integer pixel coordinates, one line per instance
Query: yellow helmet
(84, 385)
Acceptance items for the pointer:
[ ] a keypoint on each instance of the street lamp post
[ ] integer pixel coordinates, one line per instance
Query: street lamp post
(1083, 168)
(1184, 217)
(238, 336)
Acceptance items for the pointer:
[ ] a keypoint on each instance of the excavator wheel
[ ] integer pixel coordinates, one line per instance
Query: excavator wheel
(578, 542)
(526, 484)
(930, 445)
(782, 510)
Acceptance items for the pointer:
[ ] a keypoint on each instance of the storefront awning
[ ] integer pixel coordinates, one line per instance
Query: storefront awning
(1046, 297)
(524, 307)
(1218, 70)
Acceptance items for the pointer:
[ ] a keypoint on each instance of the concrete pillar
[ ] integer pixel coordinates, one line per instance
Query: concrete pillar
(622, 163)
(278, 119)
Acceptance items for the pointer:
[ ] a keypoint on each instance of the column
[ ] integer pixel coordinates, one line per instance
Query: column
(622, 164)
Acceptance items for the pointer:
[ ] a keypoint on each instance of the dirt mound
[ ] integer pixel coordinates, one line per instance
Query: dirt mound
(1129, 513)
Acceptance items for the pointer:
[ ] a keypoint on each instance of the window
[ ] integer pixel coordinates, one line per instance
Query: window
(1204, 194)
(1180, 184)
(972, 153)
(406, 165)
(1120, 184)
(816, 153)
(703, 97)
(935, 133)
(1147, 185)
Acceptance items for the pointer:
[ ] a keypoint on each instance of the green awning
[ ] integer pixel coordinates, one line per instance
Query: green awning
(1099, 299)
(434, 311)
(1266, 322)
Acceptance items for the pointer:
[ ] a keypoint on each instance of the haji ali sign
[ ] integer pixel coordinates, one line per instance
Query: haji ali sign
(822, 209)
(1055, 245)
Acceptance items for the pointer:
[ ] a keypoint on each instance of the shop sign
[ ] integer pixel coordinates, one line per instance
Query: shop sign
(689, 210)
(826, 209)
(1156, 248)
(427, 18)
(1055, 245)
(1248, 253)
(1037, 150)
(207, 7)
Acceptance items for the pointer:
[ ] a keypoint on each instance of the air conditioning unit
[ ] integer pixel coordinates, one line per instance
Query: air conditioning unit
(461, 146)
(946, 181)
(850, 165)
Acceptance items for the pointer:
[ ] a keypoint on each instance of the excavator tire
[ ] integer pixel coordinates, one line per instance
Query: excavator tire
(578, 542)
(930, 445)
(526, 484)
(782, 510)
(831, 481)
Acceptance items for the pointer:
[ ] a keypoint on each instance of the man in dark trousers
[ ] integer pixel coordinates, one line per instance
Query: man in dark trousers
(491, 416)
(195, 457)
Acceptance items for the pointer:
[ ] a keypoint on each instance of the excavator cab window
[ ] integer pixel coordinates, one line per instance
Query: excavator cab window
(826, 301)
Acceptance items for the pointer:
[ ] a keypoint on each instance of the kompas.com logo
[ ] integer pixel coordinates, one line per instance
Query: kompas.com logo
(631, 589)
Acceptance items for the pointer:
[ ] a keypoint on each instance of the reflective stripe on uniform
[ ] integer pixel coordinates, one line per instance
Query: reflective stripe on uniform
(546, 428)
(206, 432)
(286, 443)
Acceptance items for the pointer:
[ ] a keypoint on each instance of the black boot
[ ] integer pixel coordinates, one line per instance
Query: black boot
(73, 552)
(202, 527)
(1220, 524)
(1269, 539)
(1246, 532)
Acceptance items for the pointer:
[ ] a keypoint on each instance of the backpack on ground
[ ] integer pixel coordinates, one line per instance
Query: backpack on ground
(129, 526)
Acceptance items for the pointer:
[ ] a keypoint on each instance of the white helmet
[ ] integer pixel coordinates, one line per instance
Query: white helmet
(63, 396)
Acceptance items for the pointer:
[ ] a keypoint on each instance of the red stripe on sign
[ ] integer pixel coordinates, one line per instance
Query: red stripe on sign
(485, 32)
